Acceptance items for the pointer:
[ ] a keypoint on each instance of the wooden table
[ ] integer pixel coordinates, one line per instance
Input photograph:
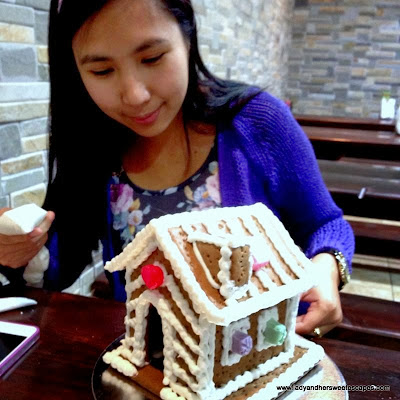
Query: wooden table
(75, 330)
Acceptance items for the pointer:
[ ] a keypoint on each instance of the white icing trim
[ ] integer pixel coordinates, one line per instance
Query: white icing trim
(276, 266)
(253, 289)
(224, 274)
(120, 364)
(236, 228)
(178, 392)
(136, 251)
(172, 348)
(262, 320)
(141, 306)
(181, 351)
(183, 304)
(228, 240)
(228, 287)
(204, 266)
(314, 354)
(264, 278)
(292, 307)
(298, 369)
(132, 286)
(284, 243)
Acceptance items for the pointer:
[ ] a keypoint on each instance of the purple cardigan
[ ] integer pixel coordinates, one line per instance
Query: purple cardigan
(264, 156)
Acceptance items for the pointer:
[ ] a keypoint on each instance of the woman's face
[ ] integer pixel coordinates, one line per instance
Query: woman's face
(133, 61)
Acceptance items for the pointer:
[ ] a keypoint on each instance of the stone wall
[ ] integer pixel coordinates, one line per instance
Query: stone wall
(344, 55)
(247, 41)
(24, 92)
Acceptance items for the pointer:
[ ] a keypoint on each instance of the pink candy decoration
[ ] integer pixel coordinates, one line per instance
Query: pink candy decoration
(153, 276)
(258, 265)
(242, 343)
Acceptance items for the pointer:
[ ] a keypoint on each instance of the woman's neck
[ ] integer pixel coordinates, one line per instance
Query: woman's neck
(167, 160)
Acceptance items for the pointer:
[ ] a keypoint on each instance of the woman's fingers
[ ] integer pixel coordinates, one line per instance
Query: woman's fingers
(20, 253)
(17, 250)
(16, 259)
(46, 223)
(324, 312)
(3, 210)
(44, 226)
(10, 240)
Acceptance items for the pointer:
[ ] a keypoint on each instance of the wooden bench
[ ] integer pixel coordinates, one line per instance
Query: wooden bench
(360, 163)
(334, 137)
(361, 178)
(368, 321)
(369, 192)
(345, 122)
(364, 188)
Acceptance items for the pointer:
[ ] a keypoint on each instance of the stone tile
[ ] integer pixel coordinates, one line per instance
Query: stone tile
(10, 144)
(24, 91)
(34, 127)
(37, 4)
(368, 289)
(10, 112)
(33, 194)
(34, 143)
(18, 62)
(41, 27)
(43, 55)
(17, 14)
(21, 181)
(370, 283)
(16, 33)
(371, 276)
(20, 164)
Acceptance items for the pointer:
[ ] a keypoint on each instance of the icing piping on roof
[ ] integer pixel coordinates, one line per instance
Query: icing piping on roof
(201, 303)
(200, 259)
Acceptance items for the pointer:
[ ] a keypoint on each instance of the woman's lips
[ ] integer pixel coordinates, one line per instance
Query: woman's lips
(146, 119)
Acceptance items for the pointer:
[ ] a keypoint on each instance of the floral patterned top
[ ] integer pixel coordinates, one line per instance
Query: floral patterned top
(132, 207)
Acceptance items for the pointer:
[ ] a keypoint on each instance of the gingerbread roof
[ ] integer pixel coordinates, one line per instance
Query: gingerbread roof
(231, 262)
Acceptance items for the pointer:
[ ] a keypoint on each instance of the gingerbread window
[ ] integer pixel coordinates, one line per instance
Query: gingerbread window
(270, 331)
(236, 342)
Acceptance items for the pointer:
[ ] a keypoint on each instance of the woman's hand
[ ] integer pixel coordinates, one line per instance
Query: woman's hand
(325, 311)
(17, 250)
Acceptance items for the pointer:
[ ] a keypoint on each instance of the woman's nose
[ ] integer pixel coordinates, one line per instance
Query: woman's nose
(134, 92)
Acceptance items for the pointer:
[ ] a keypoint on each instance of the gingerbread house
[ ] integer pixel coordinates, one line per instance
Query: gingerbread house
(224, 285)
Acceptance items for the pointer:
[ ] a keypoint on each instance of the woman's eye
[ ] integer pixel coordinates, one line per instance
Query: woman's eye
(152, 60)
(103, 72)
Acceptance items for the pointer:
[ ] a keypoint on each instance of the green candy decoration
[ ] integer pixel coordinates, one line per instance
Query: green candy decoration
(275, 332)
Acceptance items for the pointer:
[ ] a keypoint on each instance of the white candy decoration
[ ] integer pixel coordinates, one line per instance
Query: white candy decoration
(20, 221)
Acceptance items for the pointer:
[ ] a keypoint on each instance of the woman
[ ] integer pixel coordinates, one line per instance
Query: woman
(140, 128)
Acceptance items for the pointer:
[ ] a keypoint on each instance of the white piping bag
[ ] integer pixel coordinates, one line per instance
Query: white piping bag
(20, 221)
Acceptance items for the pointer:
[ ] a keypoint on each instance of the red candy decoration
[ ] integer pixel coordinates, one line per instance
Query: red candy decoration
(153, 276)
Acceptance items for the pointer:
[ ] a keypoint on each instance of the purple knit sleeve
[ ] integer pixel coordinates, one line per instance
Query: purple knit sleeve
(282, 157)
(306, 206)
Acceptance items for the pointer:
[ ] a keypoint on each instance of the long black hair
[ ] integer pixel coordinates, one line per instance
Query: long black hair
(86, 145)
